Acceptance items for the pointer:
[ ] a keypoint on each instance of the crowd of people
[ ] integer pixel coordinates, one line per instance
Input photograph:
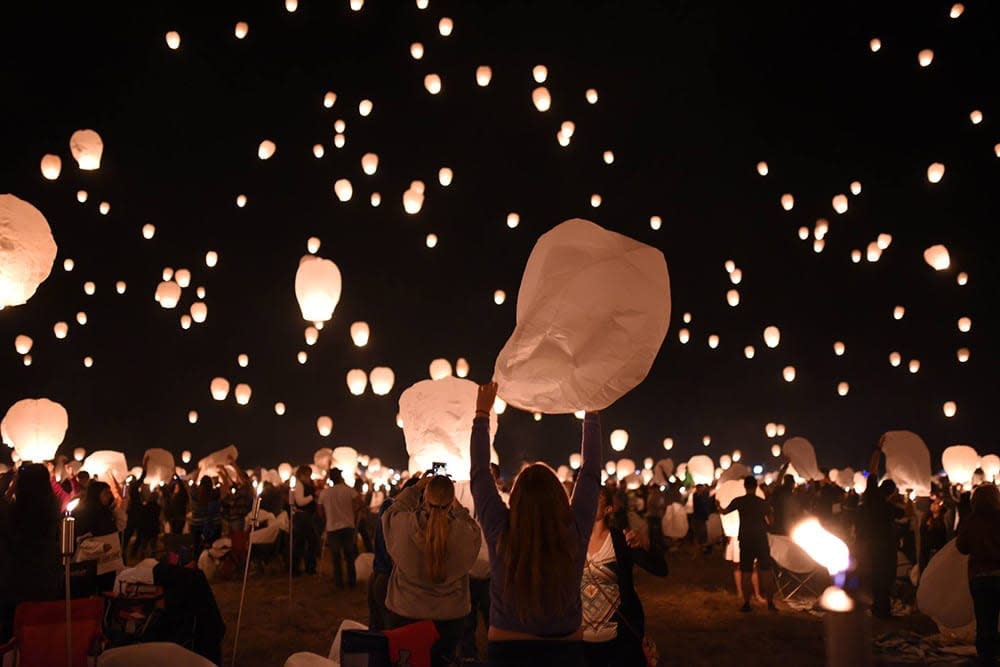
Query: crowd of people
(545, 566)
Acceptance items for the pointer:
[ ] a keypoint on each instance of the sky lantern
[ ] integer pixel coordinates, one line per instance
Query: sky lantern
(840, 204)
(957, 10)
(875, 44)
(445, 26)
(23, 344)
(914, 366)
(729, 265)
(68, 264)
(318, 151)
(301, 357)
(843, 388)
(668, 444)
(291, 6)
(168, 293)
(173, 39)
(243, 360)
(686, 318)
(26, 360)
(431, 240)
(312, 245)
(186, 456)
(241, 29)
(382, 379)
(788, 372)
(89, 288)
(183, 278)
(167, 274)
(413, 201)
(772, 336)
(375, 199)
(701, 469)
(895, 359)
(898, 312)
(713, 341)
(445, 176)
(104, 208)
(960, 463)
(749, 352)
(925, 57)
(357, 381)
(935, 172)
(311, 335)
(365, 107)
(591, 96)
(949, 408)
(242, 393)
(199, 311)
(432, 82)
(684, 335)
(317, 288)
(148, 231)
(241, 201)
(873, 252)
(567, 127)
(725, 461)
(185, 321)
(329, 99)
(343, 189)
(51, 166)
(219, 388)
(937, 257)
(324, 425)
(964, 324)
(976, 117)
(541, 98)
(360, 333)
(513, 220)
(81, 318)
(575, 460)
(818, 245)
(192, 418)
(369, 163)
(855, 188)
(619, 439)
(787, 201)
(79, 454)
(35, 427)
(61, 330)
(484, 74)
(655, 222)
(462, 368)
(771, 429)
(595, 200)
(855, 256)
(27, 250)
(539, 73)
(417, 50)
(279, 408)
(81, 196)
(440, 368)
(736, 276)
(608, 157)
(962, 354)
(762, 168)
(266, 149)
(962, 278)
(839, 348)
(339, 140)
(499, 296)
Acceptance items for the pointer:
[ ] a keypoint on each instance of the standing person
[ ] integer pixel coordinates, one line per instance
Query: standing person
(878, 524)
(979, 537)
(382, 566)
(433, 542)
(339, 505)
(95, 518)
(237, 497)
(176, 508)
(614, 623)
(305, 544)
(133, 508)
(702, 505)
(537, 549)
(753, 543)
(206, 515)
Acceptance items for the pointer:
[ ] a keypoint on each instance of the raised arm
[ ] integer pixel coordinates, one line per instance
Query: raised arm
(876, 458)
(588, 482)
(490, 510)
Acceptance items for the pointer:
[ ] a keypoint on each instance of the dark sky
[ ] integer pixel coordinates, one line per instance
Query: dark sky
(692, 96)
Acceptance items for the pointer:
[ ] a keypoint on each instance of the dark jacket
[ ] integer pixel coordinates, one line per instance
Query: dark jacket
(631, 617)
(979, 537)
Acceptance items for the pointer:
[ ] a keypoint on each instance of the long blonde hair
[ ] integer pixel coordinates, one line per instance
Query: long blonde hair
(438, 497)
(538, 547)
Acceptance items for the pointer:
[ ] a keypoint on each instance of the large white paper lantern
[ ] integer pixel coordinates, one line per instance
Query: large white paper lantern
(35, 427)
(702, 469)
(209, 465)
(168, 293)
(592, 313)
(105, 464)
(943, 593)
(439, 368)
(990, 465)
(357, 381)
(159, 467)
(87, 148)
(382, 379)
(960, 463)
(907, 462)
(51, 166)
(803, 457)
(317, 288)
(219, 388)
(324, 425)
(27, 250)
(437, 424)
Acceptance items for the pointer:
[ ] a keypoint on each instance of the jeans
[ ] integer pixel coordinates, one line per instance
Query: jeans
(343, 547)
(305, 542)
(450, 631)
(986, 601)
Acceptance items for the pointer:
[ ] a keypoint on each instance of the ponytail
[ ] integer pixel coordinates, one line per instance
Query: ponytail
(438, 497)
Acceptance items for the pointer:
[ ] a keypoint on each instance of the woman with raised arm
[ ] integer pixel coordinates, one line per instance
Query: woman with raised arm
(537, 549)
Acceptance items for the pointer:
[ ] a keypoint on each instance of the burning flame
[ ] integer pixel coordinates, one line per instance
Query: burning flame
(822, 546)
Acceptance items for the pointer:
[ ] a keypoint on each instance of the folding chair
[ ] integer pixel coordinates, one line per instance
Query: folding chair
(798, 576)
(40, 631)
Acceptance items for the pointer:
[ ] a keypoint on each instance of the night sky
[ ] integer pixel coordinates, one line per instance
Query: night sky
(691, 96)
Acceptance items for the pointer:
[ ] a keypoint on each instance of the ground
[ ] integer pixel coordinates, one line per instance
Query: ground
(692, 615)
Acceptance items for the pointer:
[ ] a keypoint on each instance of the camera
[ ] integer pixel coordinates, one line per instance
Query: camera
(439, 468)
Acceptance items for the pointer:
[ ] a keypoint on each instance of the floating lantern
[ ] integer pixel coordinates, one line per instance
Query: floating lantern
(964, 324)
(895, 359)
(684, 335)
(343, 189)
(87, 148)
(266, 149)
(192, 418)
(440, 368)
(668, 444)
(914, 366)
(168, 293)
(26, 360)
(200, 292)
(357, 381)
(168, 273)
(701, 468)
(749, 352)
(962, 278)
(541, 98)
(960, 463)
(875, 44)
(540, 73)
(855, 256)
(990, 465)
(962, 354)
(935, 172)
(183, 278)
(79, 453)
(148, 231)
(242, 393)
(291, 5)
(779, 430)
(339, 140)
(595, 200)
(311, 335)
(818, 246)
(365, 107)
(241, 30)
(484, 74)
(325, 426)
(950, 408)
(788, 372)
(608, 157)
(591, 96)
(772, 336)
(686, 317)
(736, 276)
(713, 341)
(417, 50)
(619, 439)
(23, 344)
(737, 455)
(957, 10)
(60, 329)
(843, 388)
(431, 240)
(318, 151)
(873, 252)
(937, 257)
(329, 99)
(51, 166)
(375, 199)
(855, 188)
(432, 82)
(567, 128)
(499, 297)
(81, 318)
(185, 322)
(381, 379)
(762, 168)
(729, 265)
(241, 201)
(27, 250)
(839, 348)
(655, 222)
(243, 360)
(89, 288)
(35, 428)
(369, 163)
(840, 204)
(771, 429)
(925, 58)
(445, 176)
(317, 288)
(219, 388)
(775, 450)
(513, 220)
(199, 311)
(445, 26)
(898, 312)
(279, 408)
(360, 333)
(413, 201)
(976, 117)
(575, 460)
(462, 368)
(301, 357)
(787, 202)
(68, 264)
(312, 245)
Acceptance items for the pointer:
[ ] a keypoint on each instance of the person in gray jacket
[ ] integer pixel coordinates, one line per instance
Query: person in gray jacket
(433, 542)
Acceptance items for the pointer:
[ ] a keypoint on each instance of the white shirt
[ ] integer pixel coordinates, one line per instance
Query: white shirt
(337, 502)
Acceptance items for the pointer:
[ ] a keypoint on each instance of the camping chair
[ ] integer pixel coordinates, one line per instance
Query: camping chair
(130, 612)
(234, 561)
(40, 631)
(798, 576)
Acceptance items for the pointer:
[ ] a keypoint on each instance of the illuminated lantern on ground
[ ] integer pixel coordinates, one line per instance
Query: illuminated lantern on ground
(266, 149)
(713, 341)
(541, 98)
(242, 393)
(27, 250)
(61, 329)
(23, 344)
(369, 163)
(964, 324)
(925, 58)
(484, 74)
(168, 293)
(381, 379)
(935, 172)
(937, 257)
(51, 166)
(875, 44)
(219, 388)
(445, 26)
(960, 463)
(963, 355)
(357, 381)
(199, 311)
(788, 372)
(343, 189)
(950, 409)
(462, 368)
(668, 444)
(325, 426)
(843, 388)
(499, 296)
(445, 176)
(432, 82)
(413, 201)
(440, 368)
(35, 428)
(762, 168)
(360, 333)
(241, 29)
(787, 202)
(839, 348)
(619, 439)
(772, 336)
(749, 352)
(317, 288)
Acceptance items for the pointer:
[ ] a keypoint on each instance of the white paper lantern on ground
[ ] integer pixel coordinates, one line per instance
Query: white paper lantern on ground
(219, 388)
(357, 381)
(35, 427)
(27, 250)
(87, 149)
(51, 166)
(324, 425)
(943, 595)
(382, 379)
(317, 288)
(960, 463)
(440, 368)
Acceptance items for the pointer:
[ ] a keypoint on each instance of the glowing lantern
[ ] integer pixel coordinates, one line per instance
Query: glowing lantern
(962, 354)
(173, 39)
(301, 357)
(950, 408)
(318, 151)
(737, 455)
(701, 468)
(619, 439)
(317, 288)
(499, 297)
(27, 250)
(312, 245)
(440, 368)
(291, 5)
(960, 463)
(325, 426)
(369, 163)
(279, 408)
(772, 336)
(962, 278)
(462, 368)
(787, 202)
(668, 444)
(266, 149)
(749, 352)
(683, 336)
(541, 98)
(192, 418)
(591, 96)
(89, 288)
(365, 108)
(27, 360)
(840, 204)
(104, 208)
(823, 547)
(185, 322)
(79, 453)
(914, 366)
(855, 188)
(243, 360)
(925, 58)
(725, 461)
(776, 450)
(540, 73)
(499, 405)
(484, 74)
(575, 460)
(241, 201)
(199, 311)
(329, 99)
(417, 50)
(168, 293)
(513, 220)
(567, 128)
(81, 318)
(23, 344)
(51, 166)
(990, 465)
(655, 222)
(608, 157)
(242, 393)
(148, 231)
(976, 117)
(855, 256)
(818, 245)
(762, 168)
(183, 277)
(686, 317)
(35, 428)
(381, 379)
(898, 312)
(360, 333)
(843, 388)
(168, 273)
(431, 240)
(964, 324)
(937, 257)
(935, 172)
(241, 30)
(445, 26)
(219, 388)
(771, 429)
(445, 176)
(788, 372)
(875, 44)
(733, 298)
(595, 200)
(432, 82)
(822, 227)
(713, 341)
(957, 10)
(895, 359)
(68, 264)
(311, 335)
(81, 196)
(357, 381)
(375, 199)
(61, 329)
(413, 201)
(873, 252)
(343, 189)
